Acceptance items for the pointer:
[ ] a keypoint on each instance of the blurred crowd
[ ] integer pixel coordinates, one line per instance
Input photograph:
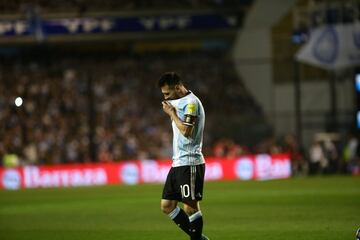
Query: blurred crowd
(105, 109)
(326, 155)
(334, 155)
(82, 6)
(317, 13)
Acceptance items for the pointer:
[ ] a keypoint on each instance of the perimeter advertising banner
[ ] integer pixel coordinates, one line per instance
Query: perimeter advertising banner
(251, 167)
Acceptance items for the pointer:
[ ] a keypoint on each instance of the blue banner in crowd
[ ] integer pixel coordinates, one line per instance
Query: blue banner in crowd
(332, 47)
(119, 24)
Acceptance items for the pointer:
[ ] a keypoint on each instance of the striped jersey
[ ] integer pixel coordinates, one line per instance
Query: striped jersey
(187, 151)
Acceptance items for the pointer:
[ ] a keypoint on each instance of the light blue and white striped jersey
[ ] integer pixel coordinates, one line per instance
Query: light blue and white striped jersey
(187, 151)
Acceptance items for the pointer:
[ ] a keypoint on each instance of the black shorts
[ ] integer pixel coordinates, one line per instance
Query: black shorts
(184, 183)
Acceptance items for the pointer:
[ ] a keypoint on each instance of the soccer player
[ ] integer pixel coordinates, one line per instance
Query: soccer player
(185, 179)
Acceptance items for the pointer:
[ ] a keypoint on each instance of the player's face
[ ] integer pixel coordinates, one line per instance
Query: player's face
(170, 92)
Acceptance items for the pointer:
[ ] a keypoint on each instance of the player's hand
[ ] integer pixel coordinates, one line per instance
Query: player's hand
(168, 108)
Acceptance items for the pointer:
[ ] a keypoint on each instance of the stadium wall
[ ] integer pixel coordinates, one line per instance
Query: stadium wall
(315, 104)
(252, 49)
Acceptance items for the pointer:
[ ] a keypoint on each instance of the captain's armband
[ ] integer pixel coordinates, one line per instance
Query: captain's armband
(189, 120)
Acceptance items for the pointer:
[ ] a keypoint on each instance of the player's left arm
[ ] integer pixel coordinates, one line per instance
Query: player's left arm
(185, 126)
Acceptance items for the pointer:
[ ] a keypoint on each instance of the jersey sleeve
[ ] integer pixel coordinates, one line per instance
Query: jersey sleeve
(191, 108)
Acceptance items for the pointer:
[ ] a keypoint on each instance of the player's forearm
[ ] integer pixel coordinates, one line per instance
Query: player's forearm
(186, 131)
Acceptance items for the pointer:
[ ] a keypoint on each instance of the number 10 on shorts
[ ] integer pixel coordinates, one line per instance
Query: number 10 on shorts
(185, 190)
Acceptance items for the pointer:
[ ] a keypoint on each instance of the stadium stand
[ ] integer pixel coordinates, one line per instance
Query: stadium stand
(105, 107)
(53, 126)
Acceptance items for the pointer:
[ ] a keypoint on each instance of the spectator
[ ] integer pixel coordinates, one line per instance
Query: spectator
(299, 163)
(350, 157)
(318, 161)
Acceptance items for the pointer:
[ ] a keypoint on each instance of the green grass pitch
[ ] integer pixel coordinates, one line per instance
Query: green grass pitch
(319, 208)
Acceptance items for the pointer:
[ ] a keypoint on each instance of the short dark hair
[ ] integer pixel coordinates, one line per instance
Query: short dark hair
(169, 78)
